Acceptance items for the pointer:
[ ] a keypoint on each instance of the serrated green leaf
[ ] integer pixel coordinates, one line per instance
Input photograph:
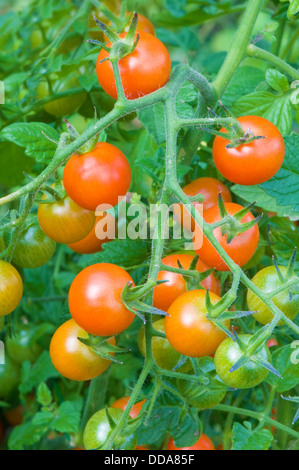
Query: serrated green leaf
(276, 108)
(246, 438)
(281, 193)
(29, 136)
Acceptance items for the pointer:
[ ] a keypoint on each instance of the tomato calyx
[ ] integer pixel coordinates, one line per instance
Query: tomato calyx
(131, 299)
(231, 225)
(121, 47)
(251, 351)
(246, 139)
(73, 134)
(102, 347)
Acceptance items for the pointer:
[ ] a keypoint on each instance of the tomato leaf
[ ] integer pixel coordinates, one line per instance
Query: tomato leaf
(281, 193)
(30, 136)
(246, 438)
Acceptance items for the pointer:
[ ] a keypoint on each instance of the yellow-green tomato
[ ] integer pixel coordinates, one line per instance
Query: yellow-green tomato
(164, 354)
(98, 429)
(62, 106)
(34, 248)
(268, 280)
(249, 375)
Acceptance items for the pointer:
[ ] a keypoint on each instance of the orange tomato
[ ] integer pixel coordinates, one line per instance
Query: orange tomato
(203, 443)
(73, 359)
(187, 327)
(122, 403)
(165, 294)
(91, 243)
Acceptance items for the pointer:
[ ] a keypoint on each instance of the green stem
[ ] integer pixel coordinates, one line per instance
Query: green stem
(257, 53)
(237, 51)
(134, 396)
(290, 44)
(258, 417)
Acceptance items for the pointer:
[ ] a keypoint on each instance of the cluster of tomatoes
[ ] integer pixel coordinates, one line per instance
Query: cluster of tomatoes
(103, 176)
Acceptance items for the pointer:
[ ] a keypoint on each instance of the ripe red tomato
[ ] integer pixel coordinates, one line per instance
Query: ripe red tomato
(73, 359)
(165, 294)
(187, 328)
(210, 188)
(64, 221)
(11, 288)
(143, 71)
(122, 403)
(240, 249)
(253, 163)
(101, 176)
(95, 300)
(204, 443)
(91, 243)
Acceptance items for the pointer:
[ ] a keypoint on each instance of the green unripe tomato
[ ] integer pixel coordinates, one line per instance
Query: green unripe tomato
(62, 106)
(9, 377)
(202, 396)
(164, 354)
(34, 248)
(267, 280)
(22, 347)
(36, 38)
(99, 428)
(247, 376)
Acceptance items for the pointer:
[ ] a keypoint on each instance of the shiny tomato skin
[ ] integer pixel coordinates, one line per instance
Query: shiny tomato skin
(122, 403)
(253, 163)
(101, 176)
(143, 71)
(204, 443)
(242, 247)
(165, 356)
(91, 243)
(99, 428)
(73, 359)
(9, 377)
(187, 328)
(95, 299)
(166, 294)
(208, 187)
(267, 279)
(34, 248)
(11, 288)
(64, 221)
(247, 376)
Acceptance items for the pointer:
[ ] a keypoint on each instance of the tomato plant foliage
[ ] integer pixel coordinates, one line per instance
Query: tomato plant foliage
(144, 338)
